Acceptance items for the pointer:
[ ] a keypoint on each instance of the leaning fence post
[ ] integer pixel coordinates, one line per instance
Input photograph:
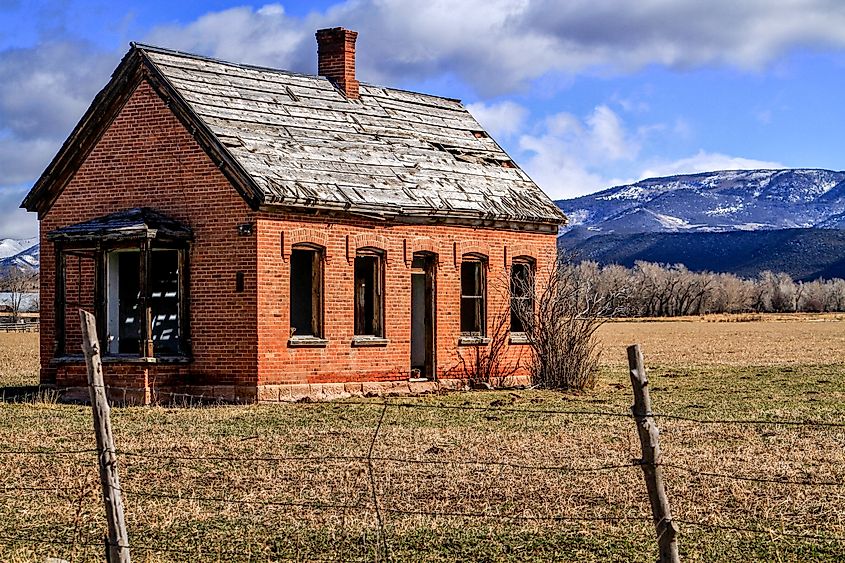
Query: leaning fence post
(650, 462)
(118, 540)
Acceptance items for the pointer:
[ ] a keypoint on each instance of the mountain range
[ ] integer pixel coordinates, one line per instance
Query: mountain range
(740, 221)
(22, 254)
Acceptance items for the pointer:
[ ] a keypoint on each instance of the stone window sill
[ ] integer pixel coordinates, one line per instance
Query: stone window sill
(369, 341)
(307, 342)
(519, 338)
(469, 340)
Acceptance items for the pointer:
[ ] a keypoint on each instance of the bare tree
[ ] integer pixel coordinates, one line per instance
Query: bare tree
(486, 364)
(560, 322)
(18, 285)
(663, 290)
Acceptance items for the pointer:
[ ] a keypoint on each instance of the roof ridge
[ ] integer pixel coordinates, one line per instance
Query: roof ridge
(185, 54)
(176, 52)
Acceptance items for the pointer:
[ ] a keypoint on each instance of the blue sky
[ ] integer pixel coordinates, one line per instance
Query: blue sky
(584, 94)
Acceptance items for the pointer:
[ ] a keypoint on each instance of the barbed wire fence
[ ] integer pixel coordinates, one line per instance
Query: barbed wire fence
(197, 483)
(370, 501)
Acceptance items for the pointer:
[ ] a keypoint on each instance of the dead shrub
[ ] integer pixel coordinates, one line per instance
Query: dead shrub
(560, 322)
(486, 365)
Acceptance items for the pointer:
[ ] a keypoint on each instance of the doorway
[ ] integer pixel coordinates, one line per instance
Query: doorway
(423, 315)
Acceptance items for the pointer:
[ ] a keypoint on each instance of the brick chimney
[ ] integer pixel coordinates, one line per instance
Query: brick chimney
(336, 58)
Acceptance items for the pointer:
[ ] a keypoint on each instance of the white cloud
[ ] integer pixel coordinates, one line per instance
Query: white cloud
(14, 222)
(703, 161)
(44, 90)
(501, 45)
(266, 36)
(568, 156)
(502, 119)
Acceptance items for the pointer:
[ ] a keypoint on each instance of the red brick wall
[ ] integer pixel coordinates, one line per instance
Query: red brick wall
(339, 361)
(79, 293)
(148, 159)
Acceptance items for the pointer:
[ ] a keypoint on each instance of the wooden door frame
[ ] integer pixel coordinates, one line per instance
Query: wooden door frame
(429, 269)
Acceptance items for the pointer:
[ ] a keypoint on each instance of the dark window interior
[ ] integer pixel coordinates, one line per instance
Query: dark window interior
(521, 297)
(164, 301)
(368, 295)
(305, 292)
(473, 306)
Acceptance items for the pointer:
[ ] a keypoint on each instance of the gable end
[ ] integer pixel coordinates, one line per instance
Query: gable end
(134, 69)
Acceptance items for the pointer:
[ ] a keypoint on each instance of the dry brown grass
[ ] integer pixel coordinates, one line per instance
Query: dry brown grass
(730, 340)
(426, 460)
(18, 358)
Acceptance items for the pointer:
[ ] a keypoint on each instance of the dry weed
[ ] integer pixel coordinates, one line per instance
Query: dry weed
(493, 476)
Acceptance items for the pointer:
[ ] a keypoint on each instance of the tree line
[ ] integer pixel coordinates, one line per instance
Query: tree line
(663, 290)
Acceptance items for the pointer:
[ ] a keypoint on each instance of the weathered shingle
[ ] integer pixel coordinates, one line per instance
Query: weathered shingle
(391, 154)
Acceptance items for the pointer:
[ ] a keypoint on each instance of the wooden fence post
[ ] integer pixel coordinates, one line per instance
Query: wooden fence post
(118, 540)
(649, 441)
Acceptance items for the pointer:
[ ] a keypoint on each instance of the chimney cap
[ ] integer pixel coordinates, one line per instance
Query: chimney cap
(335, 31)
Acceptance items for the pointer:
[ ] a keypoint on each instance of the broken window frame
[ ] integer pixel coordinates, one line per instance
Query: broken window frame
(529, 266)
(375, 317)
(317, 291)
(478, 262)
(146, 249)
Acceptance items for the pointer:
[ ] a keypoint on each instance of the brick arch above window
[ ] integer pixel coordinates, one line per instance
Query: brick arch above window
(418, 244)
(519, 251)
(460, 248)
(300, 236)
(365, 240)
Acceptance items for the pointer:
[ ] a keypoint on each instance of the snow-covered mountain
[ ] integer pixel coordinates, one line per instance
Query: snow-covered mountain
(731, 200)
(23, 254)
(10, 247)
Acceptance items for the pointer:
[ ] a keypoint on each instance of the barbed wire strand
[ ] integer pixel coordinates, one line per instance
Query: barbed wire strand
(770, 531)
(778, 481)
(382, 459)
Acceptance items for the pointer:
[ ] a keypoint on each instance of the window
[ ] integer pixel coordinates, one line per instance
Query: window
(473, 296)
(522, 294)
(164, 286)
(306, 292)
(143, 301)
(369, 293)
(137, 281)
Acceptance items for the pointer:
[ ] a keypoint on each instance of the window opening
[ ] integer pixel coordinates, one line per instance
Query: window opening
(306, 288)
(473, 297)
(369, 294)
(125, 308)
(522, 300)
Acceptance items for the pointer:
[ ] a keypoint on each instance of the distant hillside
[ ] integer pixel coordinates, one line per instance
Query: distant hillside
(744, 200)
(740, 221)
(805, 254)
(22, 254)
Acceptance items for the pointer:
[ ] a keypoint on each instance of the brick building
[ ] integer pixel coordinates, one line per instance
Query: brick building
(255, 234)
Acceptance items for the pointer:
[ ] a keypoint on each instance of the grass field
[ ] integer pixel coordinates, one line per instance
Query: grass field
(511, 475)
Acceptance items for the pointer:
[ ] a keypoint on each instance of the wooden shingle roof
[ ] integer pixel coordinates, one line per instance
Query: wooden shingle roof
(295, 142)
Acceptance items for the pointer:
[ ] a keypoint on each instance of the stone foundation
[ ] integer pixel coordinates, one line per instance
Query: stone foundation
(317, 392)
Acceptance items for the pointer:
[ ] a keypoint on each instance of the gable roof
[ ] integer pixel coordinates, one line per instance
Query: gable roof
(295, 142)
